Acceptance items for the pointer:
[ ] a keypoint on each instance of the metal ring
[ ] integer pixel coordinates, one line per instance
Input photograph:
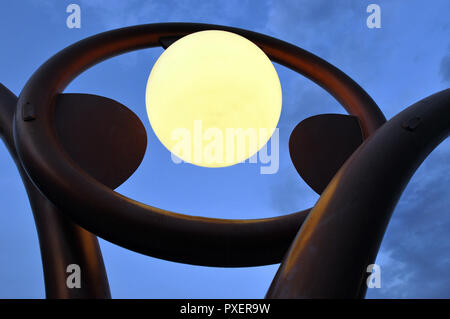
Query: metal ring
(133, 225)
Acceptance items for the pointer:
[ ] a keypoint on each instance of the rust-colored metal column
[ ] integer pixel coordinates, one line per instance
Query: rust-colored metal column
(61, 241)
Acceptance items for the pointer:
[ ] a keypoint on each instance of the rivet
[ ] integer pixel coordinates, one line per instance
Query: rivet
(411, 124)
(28, 112)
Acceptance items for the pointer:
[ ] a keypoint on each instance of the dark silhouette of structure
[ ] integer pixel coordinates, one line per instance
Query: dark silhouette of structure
(72, 150)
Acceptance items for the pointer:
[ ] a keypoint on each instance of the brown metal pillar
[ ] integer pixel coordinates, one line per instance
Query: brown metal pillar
(61, 241)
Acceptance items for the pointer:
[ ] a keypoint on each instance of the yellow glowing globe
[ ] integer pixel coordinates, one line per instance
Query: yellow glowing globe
(213, 98)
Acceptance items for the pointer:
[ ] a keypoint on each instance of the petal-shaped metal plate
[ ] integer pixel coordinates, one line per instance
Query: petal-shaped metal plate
(320, 144)
(105, 138)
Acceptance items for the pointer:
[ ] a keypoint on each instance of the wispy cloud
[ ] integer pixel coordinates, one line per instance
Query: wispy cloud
(445, 68)
(118, 13)
(415, 255)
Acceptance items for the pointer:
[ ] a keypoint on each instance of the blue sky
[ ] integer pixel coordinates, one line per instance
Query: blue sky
(399, 64)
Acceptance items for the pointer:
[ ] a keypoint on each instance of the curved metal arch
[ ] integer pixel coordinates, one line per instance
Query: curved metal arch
(133, 225)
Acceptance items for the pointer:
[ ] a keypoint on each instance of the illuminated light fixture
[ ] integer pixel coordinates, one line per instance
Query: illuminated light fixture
(213, 98)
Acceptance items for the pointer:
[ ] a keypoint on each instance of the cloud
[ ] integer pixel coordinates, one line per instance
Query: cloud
(415, 254)
(445, 68)
(117, 13)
